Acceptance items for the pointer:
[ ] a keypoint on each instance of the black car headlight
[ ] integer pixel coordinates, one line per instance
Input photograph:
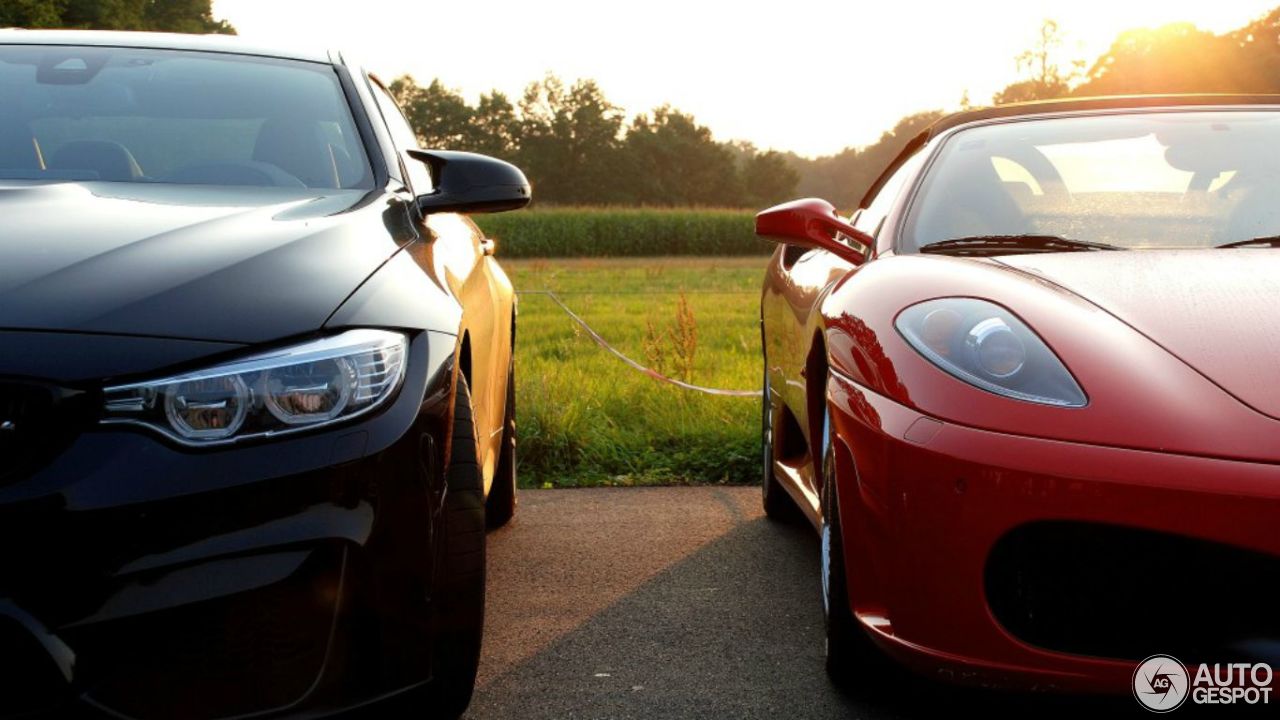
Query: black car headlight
(988, 347)
(300, 387)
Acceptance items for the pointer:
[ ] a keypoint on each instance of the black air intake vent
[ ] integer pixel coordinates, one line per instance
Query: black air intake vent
(1119, 592)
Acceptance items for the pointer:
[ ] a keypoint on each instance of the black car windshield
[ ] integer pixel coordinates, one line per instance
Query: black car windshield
(1141, 180)
(169, 116)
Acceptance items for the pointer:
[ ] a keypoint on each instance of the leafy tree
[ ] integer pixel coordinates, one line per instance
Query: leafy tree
(844, 178)
(1047, 78)
(495, 128)
(675, 161)
(31, 13)
(1258, 46)
(183, 16)
(769, 179)
(569, 141)
(1176, 58)
(440, 116)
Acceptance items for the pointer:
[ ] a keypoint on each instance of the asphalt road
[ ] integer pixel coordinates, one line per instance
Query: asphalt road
(680, 603)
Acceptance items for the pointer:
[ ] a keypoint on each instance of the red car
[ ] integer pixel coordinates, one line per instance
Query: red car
(1028, 393)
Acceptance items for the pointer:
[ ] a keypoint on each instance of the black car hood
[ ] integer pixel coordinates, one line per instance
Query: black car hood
(239, 265)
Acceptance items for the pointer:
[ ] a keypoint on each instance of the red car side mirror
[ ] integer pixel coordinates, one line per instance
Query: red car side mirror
(814, 224)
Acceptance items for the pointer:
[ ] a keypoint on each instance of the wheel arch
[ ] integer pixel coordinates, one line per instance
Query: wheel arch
(816, 366)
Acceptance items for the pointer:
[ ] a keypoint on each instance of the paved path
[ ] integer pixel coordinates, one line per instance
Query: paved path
(676, 603)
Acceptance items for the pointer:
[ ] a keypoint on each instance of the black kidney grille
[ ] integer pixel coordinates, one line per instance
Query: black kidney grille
(36, 423)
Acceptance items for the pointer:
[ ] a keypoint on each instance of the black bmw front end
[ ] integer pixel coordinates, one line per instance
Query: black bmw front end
(150, 579)
(226, 391)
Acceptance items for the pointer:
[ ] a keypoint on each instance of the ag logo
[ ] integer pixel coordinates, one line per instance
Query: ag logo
(1160, 683)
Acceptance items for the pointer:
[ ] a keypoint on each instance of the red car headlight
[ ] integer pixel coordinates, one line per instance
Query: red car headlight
(988, 347)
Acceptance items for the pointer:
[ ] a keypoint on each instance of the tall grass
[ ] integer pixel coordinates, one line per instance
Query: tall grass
(587, 419)
(623, 232)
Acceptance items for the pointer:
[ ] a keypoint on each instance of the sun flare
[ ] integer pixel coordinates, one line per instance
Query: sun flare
(734, 65)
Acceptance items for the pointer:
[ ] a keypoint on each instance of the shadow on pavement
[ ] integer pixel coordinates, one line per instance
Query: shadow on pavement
(733, 630)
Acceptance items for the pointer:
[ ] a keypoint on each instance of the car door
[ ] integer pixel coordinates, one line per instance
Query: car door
(461, 257)
(795, 281)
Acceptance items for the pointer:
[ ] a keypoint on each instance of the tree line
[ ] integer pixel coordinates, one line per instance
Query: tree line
(579, 148)
(1175, 58)
(181, 16)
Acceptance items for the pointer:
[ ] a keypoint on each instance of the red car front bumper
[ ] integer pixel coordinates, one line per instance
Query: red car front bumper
(933, 511)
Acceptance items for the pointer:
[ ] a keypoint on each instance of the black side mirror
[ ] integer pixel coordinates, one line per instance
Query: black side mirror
(471, 183)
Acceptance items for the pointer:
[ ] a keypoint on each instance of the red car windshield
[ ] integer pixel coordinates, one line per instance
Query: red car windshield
(1153, 180)
(139, 115)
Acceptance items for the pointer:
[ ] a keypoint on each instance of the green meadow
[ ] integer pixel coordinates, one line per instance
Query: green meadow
(560, 231)
(587, 419)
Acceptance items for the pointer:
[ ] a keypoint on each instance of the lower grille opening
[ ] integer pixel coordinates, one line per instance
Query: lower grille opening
(1116, 592)
(257, 650)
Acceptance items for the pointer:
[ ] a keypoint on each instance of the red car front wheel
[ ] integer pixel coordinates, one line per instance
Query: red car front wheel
(848, 649)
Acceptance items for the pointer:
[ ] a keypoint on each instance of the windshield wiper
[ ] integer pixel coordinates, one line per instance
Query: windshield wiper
(984, 245)
(1264, 241)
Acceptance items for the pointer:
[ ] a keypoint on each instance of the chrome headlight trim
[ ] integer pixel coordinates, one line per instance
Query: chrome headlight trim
(371, 364)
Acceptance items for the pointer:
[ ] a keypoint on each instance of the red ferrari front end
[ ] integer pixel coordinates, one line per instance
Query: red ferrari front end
(1036, 422)
(1006, 560)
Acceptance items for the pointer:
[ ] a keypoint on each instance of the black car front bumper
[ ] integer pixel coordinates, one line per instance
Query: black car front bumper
(142, 579)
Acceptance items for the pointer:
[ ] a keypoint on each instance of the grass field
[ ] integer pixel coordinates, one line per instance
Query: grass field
(587, 419)
(546, 232)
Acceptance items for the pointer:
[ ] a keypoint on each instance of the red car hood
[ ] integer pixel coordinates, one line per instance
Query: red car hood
(1214, 309)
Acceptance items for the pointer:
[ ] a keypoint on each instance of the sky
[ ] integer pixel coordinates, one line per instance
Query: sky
(809, 76)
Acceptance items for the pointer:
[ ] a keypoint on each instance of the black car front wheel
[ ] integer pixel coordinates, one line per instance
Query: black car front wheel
(457, 598)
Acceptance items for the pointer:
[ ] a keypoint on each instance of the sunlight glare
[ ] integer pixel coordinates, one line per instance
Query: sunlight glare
(812, 76)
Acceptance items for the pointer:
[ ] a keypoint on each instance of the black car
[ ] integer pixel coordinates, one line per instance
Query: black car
(256, 401)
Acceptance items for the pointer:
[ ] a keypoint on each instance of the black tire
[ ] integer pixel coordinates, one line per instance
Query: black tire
(500, 507)
(457, 602)
(778, 505)
(848, 649)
